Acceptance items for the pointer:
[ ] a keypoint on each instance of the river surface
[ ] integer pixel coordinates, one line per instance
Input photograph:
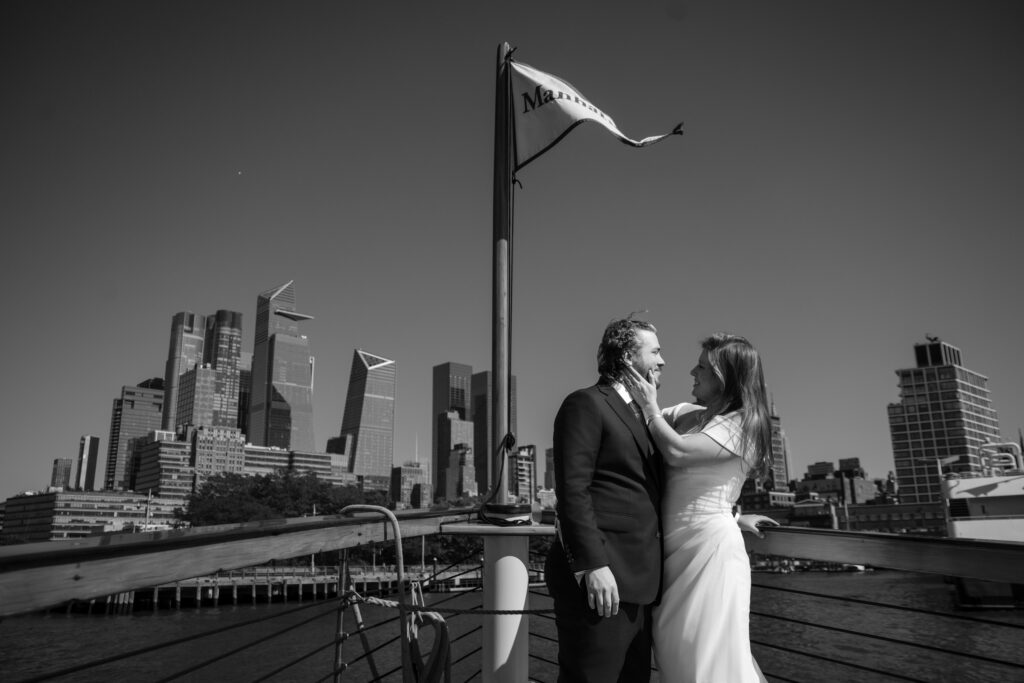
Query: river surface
(831, 629)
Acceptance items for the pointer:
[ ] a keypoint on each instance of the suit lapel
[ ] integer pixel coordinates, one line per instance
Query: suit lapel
(625, 413)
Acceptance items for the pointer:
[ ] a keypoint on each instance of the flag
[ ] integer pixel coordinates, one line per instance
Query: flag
(545, 108)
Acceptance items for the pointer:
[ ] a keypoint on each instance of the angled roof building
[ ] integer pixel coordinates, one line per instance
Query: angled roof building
(368, 423)
(281, 397)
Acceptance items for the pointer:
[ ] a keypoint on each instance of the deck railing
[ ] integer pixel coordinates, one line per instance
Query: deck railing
(44, 575)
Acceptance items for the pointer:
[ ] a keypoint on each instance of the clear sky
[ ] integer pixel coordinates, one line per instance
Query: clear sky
(850, 180)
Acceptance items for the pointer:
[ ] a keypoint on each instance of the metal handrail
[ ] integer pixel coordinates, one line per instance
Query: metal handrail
(36, 576)
(407, 673)
(985, 560)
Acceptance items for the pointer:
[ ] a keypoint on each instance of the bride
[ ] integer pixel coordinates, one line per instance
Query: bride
(701, 626)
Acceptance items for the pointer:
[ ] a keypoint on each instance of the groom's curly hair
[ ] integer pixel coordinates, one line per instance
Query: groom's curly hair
(618, 342)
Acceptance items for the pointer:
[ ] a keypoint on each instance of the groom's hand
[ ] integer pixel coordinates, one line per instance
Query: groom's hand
(602, 592)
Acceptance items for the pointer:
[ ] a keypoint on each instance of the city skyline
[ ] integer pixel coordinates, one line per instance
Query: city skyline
(846, 185)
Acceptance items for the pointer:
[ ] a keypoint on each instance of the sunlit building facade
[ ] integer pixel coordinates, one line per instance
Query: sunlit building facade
(779, 478)
(944, 413)
(522, 474)
(217, 450)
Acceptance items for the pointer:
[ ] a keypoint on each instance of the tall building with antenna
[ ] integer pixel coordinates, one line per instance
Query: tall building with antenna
(944, 414)
(281, 397)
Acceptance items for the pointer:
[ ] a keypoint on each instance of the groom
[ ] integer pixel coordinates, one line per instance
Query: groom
(604, 572)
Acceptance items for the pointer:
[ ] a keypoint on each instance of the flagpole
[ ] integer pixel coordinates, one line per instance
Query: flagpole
(502, 276)
(505, 637)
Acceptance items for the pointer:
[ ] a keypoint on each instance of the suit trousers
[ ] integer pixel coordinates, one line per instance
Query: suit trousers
(595, 649)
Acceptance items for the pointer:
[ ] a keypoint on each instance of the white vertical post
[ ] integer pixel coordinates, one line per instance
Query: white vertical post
(506, 587)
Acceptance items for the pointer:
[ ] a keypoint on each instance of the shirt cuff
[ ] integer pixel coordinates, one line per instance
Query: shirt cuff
(580, 574)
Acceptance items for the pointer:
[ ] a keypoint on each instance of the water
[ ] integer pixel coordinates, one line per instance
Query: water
(33, 645)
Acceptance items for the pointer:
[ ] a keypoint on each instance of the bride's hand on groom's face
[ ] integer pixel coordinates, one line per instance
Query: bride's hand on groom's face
(640, 388)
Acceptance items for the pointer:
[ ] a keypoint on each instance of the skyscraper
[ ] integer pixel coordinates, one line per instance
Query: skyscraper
(779, 477)
(944, 413)
(451, 434)
(202, 380)
(281, 399)
(223, 353)
(452, 387)
(549, 468)
(244, 387)
(188, 338)
(61, 476)
(483, 440)
(368, 423)
(453, 383)
(88, 452)
(136, 413)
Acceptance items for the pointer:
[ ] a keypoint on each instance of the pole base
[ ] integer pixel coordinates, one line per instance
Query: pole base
(521, 512)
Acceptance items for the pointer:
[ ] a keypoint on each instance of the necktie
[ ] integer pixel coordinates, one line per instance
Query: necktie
(636, 411)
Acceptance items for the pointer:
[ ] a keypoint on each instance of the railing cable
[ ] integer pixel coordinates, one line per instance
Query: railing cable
(293, 662)
(832, 660)
(887, 639)
(159, 646)
(872, 603)
(248, 645)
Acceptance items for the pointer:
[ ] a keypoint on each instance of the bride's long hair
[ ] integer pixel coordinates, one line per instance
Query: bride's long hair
(737, 365)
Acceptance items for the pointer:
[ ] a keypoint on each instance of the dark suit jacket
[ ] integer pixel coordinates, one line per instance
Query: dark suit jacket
(608, 485)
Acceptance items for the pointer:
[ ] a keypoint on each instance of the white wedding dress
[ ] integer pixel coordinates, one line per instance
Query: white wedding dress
(702, 625)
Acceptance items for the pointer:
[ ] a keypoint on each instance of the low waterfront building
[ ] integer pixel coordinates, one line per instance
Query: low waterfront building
(928, 519)
(264, 459)
(855, 491)
(216, 450)
(923, 519)
(162, 466)
(63, 515)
